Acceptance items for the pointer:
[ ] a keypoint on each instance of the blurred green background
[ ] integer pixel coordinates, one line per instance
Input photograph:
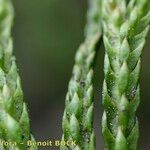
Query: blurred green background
(46, 35)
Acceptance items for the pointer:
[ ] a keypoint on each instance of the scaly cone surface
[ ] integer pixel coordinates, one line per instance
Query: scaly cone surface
(125, 26)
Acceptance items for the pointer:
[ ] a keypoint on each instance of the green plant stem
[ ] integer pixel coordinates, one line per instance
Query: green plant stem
(78, 114)
(125, 26)
(14, 120)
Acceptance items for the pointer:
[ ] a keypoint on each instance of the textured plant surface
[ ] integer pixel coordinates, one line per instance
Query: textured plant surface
(125, 26)
(78, 114)
(14, 121)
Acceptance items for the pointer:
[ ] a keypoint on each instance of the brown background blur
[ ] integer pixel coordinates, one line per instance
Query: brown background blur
(46, 35)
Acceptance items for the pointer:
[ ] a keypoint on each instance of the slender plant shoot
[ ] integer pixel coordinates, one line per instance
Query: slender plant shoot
(14, 120)
(125, 26)
(78, 114)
